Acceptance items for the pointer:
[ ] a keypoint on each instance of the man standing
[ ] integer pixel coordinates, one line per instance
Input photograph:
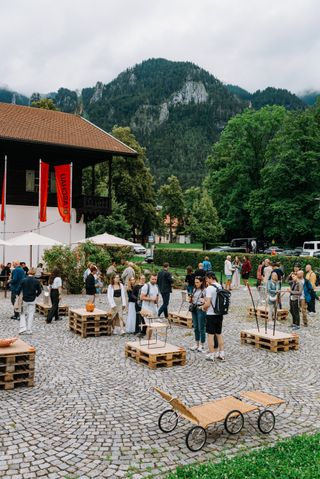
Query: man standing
(164, 282)
(213, 320)
(267, 271)
(149, 296)
(16, 278)
(128, 273)
(207, 266)
(305, 296)
(311, 276)
(228, 272)
(30, 288)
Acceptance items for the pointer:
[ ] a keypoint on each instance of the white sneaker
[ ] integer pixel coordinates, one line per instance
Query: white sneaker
(210, 357)
(23, 332)
(122, 332)
(194, 348)
(201, 349)
(221, 358)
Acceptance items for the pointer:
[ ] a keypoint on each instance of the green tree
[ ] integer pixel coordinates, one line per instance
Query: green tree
(235, 164)
(44, 103)
(115, 224)
(204, 223)
(285, 206)
(172, 202)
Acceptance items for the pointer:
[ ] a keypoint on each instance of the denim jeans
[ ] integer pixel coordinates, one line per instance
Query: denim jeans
(164, 306)
(199, 325)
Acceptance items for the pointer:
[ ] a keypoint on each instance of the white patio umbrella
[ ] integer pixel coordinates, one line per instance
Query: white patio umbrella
(108, 240)
(32, 239)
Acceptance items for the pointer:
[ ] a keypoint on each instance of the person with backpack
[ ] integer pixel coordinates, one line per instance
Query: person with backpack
(312, 278)
(214, 317)
(31, 289)
(305, 297)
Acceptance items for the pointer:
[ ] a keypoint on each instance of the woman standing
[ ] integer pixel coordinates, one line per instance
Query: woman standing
(136, 291)
(236, 266)
(189, 279)
(117, 300)
(55, 285)
(91, 284)
(132, 300)
(260, 273)
(245, 271)
(198, 315)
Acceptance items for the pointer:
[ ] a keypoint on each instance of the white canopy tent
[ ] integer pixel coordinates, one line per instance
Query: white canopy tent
(32, 239)
(107, 240)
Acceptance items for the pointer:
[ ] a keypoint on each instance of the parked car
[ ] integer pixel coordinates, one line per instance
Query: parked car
(149, 258)
(316, 254)
(220, 249)
(273, 248)
(310, 247)
(290, 252)
(139, 249)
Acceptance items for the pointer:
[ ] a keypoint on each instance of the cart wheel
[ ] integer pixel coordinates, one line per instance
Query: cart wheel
(196, 438)
(234, 422)
(266, 421)
(168, 420)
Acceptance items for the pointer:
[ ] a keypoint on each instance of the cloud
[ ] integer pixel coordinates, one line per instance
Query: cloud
(255, 43)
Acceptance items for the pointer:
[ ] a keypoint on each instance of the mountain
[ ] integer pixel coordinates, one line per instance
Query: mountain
(269, 96)
(175, 109)
(8, 96)
(309, 97)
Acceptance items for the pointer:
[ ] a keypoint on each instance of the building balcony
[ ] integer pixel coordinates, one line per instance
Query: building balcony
(91, 206)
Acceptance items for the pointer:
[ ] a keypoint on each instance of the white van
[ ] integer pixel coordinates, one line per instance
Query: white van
(310, 247)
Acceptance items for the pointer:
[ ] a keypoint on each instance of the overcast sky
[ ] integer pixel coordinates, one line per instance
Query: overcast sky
(46, 44)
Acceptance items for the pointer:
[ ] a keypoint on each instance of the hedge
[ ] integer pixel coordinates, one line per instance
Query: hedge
(178, 258)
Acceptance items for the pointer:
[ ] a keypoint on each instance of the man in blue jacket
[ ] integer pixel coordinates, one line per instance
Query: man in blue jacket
(30, 288)
(16, 278)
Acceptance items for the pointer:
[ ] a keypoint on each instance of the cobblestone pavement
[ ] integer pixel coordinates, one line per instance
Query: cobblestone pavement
(91, 415)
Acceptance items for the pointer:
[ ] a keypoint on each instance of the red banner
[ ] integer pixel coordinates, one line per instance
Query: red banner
(63, 182)
(43, 189)
(3, 195)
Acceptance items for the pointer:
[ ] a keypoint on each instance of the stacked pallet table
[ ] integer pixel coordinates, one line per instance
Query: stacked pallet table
(182, 319)
(88, 324)
(43, 309)
(262, 313)
(17, 363)
(278, 342)
(166, 356)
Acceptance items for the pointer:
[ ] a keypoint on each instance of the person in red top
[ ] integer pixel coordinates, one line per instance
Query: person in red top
(245, 270)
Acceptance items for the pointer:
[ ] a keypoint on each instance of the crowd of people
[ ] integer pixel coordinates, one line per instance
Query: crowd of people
(132, 298)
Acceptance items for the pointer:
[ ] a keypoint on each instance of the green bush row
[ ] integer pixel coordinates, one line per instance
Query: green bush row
(182, 258)
(295, 458)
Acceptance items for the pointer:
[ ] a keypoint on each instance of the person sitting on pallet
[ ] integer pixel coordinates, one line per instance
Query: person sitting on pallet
(149, 296)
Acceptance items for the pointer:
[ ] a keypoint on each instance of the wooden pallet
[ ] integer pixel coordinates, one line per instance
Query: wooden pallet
(17, 365)
(165, 356)
(97, 323)
(279, 342)
(262, 313)
(43, 309)
(182, 319)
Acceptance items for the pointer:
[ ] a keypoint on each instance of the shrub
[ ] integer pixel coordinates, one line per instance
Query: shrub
(88, 252)
(69, 265)
(181, 258)
(118, 253)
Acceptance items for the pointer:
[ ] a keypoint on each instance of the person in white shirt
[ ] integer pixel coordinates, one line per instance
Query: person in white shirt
(55, 284)
(149, 296)
(228, 270)
(118, 301)
(267, 270)
(213, 320)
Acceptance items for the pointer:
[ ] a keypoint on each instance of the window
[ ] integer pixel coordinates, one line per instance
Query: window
(308, 246)
(32, 181)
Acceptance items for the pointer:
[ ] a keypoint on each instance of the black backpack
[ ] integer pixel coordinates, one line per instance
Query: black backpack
(222, 303)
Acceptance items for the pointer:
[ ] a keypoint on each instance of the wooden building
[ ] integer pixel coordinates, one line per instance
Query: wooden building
(29, 134)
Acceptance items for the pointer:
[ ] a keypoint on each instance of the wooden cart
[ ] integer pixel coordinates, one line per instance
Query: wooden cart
(230, 410)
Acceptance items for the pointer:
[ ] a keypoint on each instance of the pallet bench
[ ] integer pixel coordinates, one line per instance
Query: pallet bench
(90, 324)
(167, 356)
(182, 319)
(279, 342)
(17, 364)
(262, 313)
(43, 309)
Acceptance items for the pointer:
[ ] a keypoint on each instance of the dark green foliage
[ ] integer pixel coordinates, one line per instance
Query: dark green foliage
(181, 258)
(235, 165)
(45, 104)
(240, 92)
(115, 224)
(310, 97)
(66, 100)
(297, 458)
(7, 96)
(172, 202)
(276, 96)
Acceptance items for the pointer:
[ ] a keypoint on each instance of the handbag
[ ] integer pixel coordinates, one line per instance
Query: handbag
(192, 307)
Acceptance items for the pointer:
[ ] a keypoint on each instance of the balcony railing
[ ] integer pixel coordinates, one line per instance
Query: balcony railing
(91, 206)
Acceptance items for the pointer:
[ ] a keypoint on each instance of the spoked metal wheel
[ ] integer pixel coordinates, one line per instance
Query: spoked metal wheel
(168, 420)
(266, 421)
(196, 438)
(234, 422)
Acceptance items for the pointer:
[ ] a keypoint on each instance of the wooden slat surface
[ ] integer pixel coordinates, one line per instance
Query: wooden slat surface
(262, 398)
(216, 411)
(19, 347)
(84, 312)
(269, 335)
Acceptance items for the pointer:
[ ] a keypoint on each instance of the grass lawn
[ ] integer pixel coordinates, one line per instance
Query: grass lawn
(296, 458)
(178, 246)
